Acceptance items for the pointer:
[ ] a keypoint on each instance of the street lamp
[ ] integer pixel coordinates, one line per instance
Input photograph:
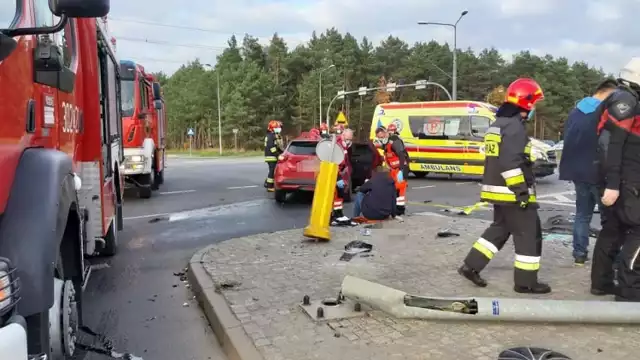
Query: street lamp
(455, 46)
(320, 91)
(219, 110)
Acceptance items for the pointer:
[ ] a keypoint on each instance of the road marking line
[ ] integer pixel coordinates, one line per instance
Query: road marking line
(558, 203)
(242, 187)
(423, 187)
(146, 216)
(464, 183)
(570, 192)
(177, 192)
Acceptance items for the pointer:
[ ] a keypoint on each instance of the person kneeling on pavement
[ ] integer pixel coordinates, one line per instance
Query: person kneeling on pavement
(376, 198)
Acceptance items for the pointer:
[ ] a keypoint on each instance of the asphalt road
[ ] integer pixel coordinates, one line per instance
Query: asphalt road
(137, 301)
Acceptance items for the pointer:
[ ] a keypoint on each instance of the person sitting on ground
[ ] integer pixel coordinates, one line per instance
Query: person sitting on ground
(376, 198)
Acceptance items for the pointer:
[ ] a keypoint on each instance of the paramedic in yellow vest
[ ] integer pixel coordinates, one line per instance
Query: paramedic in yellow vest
(509, 184)
(273, 147)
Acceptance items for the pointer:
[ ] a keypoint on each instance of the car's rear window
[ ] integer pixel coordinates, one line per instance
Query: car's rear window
(302, 147)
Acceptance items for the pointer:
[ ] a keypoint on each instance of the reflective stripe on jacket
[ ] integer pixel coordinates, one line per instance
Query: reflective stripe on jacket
(273, 147)
(508, 169)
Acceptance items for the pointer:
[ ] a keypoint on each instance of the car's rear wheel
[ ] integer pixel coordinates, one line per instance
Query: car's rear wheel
(280, 196)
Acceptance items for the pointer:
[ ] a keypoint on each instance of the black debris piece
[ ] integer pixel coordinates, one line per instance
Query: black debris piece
(561, 224)
(446, 233)
(531, 353)
(354, 248)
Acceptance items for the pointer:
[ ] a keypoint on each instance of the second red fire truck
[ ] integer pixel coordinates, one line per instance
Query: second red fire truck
(144, 124)
(60, 158)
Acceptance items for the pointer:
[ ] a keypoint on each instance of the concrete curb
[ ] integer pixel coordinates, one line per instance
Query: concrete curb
(235, 342)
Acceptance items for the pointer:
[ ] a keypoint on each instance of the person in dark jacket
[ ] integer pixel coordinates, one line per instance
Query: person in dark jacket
(376, 199)
(578, 164)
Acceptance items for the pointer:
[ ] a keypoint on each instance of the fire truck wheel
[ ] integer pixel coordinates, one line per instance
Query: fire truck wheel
(63, 320)
(111, 240)
(147, 185)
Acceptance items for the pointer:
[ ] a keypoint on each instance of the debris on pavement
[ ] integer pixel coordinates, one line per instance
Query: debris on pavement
(227, 285)
(531, 353)
(182, 274)
(354, 248)
(446, 233)
(106, 347)
(560, 224)
(374, 226)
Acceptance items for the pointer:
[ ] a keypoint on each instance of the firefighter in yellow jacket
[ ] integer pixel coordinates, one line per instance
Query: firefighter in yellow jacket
(273, 147)
(509, 184)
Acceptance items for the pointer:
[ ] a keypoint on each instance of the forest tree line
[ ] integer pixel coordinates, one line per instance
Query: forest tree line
(259, 83)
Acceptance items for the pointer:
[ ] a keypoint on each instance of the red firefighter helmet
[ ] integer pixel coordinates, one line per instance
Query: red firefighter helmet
(314, 132)
(338, 129)
(524, 93)
(324, 127)
(392, 128)
(273, 124)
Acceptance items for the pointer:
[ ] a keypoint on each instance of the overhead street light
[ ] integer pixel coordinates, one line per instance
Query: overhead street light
(454, 76)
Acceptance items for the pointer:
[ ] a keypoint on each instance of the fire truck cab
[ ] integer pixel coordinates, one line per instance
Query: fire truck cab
(144, 124)
(60, 156)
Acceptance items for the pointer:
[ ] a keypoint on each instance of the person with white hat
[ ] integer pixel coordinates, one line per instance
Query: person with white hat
(619, 164)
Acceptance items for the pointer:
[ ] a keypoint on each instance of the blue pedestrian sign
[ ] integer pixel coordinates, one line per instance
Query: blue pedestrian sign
(190, 132)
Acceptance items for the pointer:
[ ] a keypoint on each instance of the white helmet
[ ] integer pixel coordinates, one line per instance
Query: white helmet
(630, 73)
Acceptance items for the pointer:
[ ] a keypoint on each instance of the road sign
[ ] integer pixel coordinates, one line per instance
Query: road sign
(190, 132)
(421, 84)
(342, 119)
(341, 94)
(391, 87)
(362, 91)
(235, 131)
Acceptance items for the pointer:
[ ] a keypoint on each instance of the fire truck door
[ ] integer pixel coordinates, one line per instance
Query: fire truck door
(110, 114)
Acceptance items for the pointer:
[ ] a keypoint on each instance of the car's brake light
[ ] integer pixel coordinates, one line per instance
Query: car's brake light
(282, 158)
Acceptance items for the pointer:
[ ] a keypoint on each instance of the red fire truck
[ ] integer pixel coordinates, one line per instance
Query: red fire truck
(60, 156)
(144, 124)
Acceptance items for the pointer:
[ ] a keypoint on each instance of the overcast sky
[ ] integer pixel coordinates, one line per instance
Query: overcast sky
(603, 33)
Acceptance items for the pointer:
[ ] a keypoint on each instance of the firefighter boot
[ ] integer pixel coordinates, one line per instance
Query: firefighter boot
(538, 288)
(400, 210)
(472, 275)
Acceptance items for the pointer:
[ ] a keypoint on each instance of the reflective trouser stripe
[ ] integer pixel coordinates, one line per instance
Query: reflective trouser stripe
(400, 201)
(527, 263)
(269, 180)
(270, 159)
(485, 247)
(337, 205)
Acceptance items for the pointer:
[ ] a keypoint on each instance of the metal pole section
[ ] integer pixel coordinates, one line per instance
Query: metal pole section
(454, 81)
(320, 99)
(384, 87)
(320, 92)
(219, 115)
(401, 305)
(454, 77)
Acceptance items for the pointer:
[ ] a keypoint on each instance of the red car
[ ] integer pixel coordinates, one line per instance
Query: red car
(298, 167)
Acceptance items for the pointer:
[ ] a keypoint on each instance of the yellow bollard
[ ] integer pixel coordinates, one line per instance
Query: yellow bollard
(322, 206)
(330, 155)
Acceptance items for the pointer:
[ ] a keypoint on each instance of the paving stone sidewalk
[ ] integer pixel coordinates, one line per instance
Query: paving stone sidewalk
(264, 278)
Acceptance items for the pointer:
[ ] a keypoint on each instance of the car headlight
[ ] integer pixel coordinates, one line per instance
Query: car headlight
(135, 158)
(9, 286)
